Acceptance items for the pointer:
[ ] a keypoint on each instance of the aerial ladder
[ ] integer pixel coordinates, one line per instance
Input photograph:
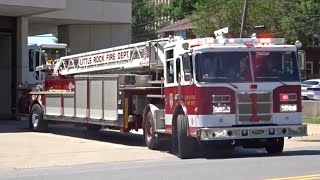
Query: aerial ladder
(132, 58)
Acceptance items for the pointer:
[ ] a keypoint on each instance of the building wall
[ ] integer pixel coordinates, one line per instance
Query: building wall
(6, 76)
(84, 24)
(313, 60)
(50, 4)
(95, 11)
(83, 38)
(7, 62)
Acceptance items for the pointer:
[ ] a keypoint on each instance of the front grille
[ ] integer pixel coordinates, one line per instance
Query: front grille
(263, 107)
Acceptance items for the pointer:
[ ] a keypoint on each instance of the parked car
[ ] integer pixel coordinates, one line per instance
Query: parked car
(310, 89)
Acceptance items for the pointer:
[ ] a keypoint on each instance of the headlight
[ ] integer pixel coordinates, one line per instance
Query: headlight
(221, 109)
(288, 108)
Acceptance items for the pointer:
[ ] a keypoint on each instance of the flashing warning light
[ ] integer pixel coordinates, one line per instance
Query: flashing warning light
(195, 45)
(288, 97)
(284, 97)
(265, 40)
(248, 43)
(232, 40)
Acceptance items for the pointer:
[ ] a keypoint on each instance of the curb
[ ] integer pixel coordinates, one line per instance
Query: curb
(313, 129)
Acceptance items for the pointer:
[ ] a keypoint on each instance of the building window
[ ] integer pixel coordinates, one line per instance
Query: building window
(182, 33)
(309, 67)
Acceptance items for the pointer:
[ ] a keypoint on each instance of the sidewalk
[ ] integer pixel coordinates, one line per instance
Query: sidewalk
(309, 138)
(65, 145)
(313, 134)
(313, 129)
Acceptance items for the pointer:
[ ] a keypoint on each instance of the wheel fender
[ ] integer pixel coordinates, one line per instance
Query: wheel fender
(179, 109)
(36, 99)
(33, 103)
(150, 107)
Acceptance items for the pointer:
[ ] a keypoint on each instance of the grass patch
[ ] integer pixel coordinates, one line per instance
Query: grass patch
(311, 121)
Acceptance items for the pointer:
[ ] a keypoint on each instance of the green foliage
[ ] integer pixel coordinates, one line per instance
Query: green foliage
(305, 16)
(292, 19)
(178, 9)
(311, 121)
(211, 15)
(143, 16)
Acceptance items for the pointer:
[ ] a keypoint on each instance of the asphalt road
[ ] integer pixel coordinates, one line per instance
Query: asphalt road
(243, 164)
(113, 156)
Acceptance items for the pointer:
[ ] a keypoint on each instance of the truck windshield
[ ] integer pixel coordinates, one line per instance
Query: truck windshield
(52, 54)
(275, 66)
(223, 67)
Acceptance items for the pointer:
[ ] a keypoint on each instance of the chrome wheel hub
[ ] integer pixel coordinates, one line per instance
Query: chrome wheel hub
(35, 120)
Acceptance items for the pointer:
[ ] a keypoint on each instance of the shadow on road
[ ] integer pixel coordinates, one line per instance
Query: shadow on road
(130, 139)
(13, 126)
(257, 153)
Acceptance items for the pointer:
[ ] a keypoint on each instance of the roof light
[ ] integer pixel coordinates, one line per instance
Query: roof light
(221, 41)
(209, 40)
(265, 40)
(232, 40)
(248, 43)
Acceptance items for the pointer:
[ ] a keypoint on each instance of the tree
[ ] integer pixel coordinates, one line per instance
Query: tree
(211, 15)
(291, 19)
(304, 22)
(178, 9)
(143, 18)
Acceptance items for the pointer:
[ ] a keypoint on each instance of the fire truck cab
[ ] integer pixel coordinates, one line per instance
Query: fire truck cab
(237, 92)
(43, 55)
(39, 55)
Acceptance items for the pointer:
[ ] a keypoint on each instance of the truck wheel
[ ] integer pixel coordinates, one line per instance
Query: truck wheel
(36, 119)
(149, 132)
(186, 146)
(93, 127)
(276, 146)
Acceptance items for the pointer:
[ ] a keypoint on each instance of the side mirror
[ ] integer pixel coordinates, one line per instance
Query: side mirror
(302, 63)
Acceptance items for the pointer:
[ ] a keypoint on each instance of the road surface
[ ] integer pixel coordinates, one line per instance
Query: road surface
(69, 153)
(246, 165)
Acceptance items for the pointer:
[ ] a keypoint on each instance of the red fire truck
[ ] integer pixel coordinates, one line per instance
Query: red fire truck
(237, 91)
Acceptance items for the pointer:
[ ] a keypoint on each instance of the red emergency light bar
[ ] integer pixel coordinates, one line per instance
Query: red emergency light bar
(245, 41)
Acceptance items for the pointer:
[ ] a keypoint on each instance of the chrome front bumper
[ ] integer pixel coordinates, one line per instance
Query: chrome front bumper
(232, 133)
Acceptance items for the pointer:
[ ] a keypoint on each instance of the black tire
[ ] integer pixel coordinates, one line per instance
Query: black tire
(149, 134)
(276, 146)
(185, 145)
(93, 127)
(36, 122)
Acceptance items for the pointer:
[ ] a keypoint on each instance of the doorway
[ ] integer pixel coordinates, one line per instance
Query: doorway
(6, 71)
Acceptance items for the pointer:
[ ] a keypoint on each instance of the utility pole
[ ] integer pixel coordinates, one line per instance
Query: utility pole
(244, 16)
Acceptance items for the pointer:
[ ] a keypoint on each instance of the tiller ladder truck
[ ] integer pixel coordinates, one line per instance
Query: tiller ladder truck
(235, 91)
